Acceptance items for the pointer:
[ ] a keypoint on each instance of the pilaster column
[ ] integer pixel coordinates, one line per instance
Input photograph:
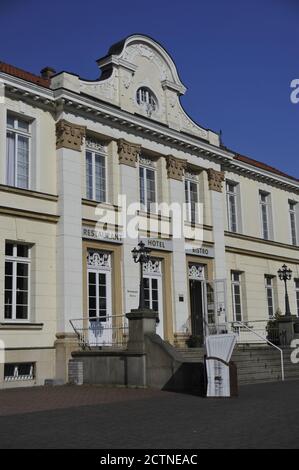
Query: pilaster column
(128, 154)
(175, 173)
(215, 179)
(69, 138)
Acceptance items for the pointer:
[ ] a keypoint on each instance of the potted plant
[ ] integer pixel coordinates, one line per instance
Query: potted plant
(195, 341)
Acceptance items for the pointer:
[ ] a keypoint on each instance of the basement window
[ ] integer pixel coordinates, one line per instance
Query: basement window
(18, 372)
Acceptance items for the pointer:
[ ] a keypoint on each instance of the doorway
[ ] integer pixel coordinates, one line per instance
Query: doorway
(196, 278)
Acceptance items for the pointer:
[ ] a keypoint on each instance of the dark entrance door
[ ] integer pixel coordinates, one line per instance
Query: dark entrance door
(196, 308)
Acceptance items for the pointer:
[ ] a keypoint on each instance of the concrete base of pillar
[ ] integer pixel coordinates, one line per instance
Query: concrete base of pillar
(286, 330)
(65, 344)
(141, 323)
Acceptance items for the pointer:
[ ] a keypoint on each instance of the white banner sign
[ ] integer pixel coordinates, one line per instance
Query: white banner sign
(205, 251)
(104, 235)
(158, 244)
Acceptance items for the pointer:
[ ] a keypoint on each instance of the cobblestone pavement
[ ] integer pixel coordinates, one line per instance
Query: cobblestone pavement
(264, 416)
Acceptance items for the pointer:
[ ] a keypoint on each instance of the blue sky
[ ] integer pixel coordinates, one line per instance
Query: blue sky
(237, 58)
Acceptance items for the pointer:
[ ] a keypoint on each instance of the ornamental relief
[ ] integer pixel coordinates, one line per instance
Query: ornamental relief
(196, 272)
(69, 135)
(99, 260)
(153, 266)
(128, 153)
(106, 89)
(215, 179)
(175, 167)
(145, 51)
(95, 145)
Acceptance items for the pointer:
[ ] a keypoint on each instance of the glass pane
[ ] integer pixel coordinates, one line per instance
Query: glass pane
(23, 125)
(9, 370)
(92, 302)
(100, 178)
(23, 162)
(24, 369)
(10, 158)
(8, 297)
(8, 282)
(10, 121)
(92, 290)
(8, 312)
(8, 267)
(92, 278)
(89, 176)
(21, 312)
(22, 251)
(22, 269)
(9, 249)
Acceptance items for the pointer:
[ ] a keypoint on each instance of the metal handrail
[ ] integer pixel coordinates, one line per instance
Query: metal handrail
(82, 330)
(267, 341)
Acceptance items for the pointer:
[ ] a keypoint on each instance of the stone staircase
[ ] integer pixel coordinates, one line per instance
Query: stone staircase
(256, 364)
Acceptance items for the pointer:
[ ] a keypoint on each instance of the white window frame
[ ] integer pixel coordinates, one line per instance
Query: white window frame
(268, 207)
(270, 288)
(238, 283)
(189, 181)
(146, 205)
(15, 260)
(19, 132)
(94, 154)
(293, 220)
(233, 194)
(146, 98)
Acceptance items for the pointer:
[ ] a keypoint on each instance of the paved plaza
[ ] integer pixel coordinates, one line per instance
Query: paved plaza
(264, 416)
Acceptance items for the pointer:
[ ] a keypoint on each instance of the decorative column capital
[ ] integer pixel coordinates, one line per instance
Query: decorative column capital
(128, 153)
(175, 167)
(69, 135)
(215, 179)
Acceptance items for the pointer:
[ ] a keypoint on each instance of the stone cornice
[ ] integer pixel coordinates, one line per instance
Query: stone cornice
(175, 167)
(260, 254)
(32, 215)
(69, 135)
(215, 179)
(250, 238)
(104, 111)
(28, 193)
(128, 153)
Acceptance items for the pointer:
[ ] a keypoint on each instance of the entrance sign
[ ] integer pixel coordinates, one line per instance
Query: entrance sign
(219, 351)
(158, 244)
(104, 235)
(204, 250)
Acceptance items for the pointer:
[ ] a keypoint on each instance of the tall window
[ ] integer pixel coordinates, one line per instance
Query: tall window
(231, 201)
(17, 282)
(17, 152)
(96, 172)
(147, 185)
(297, 295)
(265, 208)
(270, 294)
(191, 198)
(293, 222)
(236, 278)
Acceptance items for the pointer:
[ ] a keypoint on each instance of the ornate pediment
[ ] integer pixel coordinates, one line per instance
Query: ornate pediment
(140, 63)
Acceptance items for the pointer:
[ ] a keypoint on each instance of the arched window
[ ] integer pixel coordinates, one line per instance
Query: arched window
(146, 99)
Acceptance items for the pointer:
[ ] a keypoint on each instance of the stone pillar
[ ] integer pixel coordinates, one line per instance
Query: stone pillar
(141, 323)
(215, 179)
(69, 240)
(128, 156)
(175, 173)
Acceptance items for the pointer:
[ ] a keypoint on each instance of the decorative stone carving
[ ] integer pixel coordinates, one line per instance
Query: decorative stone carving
(95, 145)
(153, 266)
(69, 135)
(196, 272)
(146, 162)
(175, 168)
(98, 260)
(215, 179)
(128, 153)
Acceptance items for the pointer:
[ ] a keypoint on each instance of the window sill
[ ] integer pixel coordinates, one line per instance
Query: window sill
(21, 326)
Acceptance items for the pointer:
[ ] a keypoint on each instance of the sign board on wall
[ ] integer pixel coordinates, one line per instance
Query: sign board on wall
(204, 250)
(158, 244)
(103, 235)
